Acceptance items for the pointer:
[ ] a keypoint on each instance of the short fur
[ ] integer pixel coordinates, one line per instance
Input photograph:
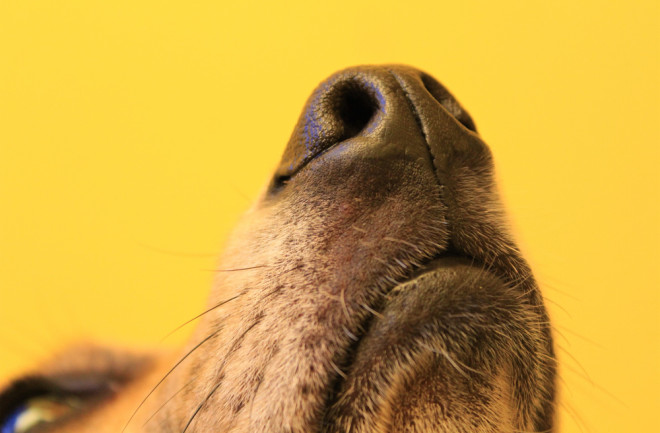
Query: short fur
(376, 290)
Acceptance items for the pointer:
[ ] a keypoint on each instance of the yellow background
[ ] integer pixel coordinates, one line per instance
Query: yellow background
(132, 135)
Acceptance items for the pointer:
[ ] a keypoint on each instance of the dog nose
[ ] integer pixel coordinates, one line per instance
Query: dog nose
(392, 107)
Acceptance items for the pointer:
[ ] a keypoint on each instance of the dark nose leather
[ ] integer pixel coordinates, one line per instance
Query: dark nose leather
(397, 109)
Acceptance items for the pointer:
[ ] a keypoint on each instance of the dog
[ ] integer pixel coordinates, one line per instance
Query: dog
(373, 287)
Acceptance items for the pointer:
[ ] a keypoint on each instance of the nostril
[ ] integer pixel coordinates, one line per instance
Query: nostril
(446, 99)
(354, 105)
(348, 105)
(279, 182)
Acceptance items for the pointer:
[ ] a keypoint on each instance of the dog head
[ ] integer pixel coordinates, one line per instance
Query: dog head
(373, 287)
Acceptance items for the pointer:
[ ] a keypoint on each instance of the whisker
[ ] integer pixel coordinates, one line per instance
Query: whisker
(382, 261)
(342, 297)
(216, 306)
(372, 311)
(582, 337)
(577, 419)
(240, 269)
(584, 370)
(453, 362)
(198, 345)
(595, 385)
(337, 369)
(350, 334)
(549, 286)
(552, 359)
(167, 375)
(561, 334)
(558, 306)
(231, 350)
(400, 241)
(565, 389)
(199, 407)
(190, 382)
(329, 296)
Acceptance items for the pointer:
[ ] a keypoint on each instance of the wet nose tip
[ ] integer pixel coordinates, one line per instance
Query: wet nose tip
(356, 101)
(340, 108)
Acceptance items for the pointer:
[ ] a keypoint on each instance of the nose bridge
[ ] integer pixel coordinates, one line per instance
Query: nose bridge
(382, 104)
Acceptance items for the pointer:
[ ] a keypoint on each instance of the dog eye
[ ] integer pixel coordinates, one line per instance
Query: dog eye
(38, 411)
(34, 402)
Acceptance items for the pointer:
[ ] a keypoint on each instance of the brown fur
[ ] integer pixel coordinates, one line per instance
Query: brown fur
(379, 290)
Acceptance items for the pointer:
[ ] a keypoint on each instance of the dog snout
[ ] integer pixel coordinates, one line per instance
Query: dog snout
(391, 111)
